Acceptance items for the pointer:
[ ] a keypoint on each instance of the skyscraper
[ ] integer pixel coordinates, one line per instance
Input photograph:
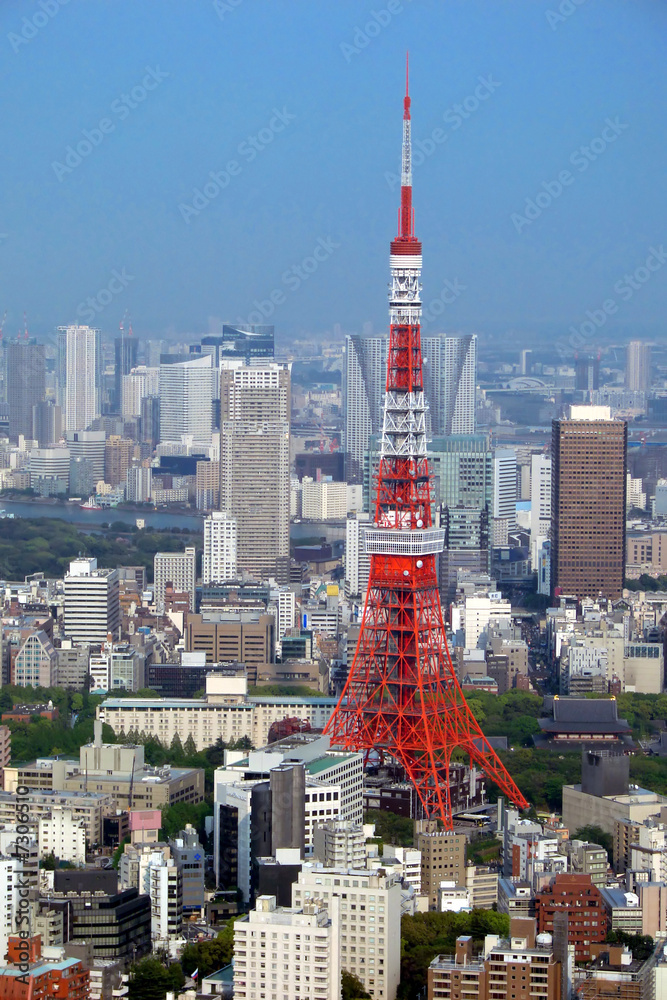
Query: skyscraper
(25, 373)
(638, 366)
(219, 556)
(255, 490)
(178, 569)
(47, 423)
(540, 502)
(136, 385)
(255, 460)
(79, 375)
(588, 454)
(450, 367)
(125, 358)
(504, 486)
(587, 373)
(450, 376)
(364, 383)
(186, 399)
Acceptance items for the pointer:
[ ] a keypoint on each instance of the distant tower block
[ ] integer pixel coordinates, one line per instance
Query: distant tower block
(402, 699)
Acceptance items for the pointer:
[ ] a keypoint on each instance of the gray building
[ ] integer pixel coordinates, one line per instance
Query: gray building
(190, 858)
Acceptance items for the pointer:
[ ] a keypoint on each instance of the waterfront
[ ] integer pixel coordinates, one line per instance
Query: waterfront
(72, 512)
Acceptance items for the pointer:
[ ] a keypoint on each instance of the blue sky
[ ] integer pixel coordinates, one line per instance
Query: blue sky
(296, 106)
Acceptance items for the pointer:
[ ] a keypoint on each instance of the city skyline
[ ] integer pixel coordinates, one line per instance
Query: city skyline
(513, 106)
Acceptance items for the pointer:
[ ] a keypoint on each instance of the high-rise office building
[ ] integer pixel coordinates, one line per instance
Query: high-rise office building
(588, 454)
(47, 423)
(255, 491)
(450, 365)
(125, 359)
(540, 502)
(638, 366)
(364, 384)
(245, 343)
(180, 570)
(504, 486)
(150, 420)
(186, 399)
(90, 445)
(467, 546)
(92, 602)
(255, 460)
(118, 455)
(219, 556)
(587, 373)
(26, 375)
(450, 376)
(462, 468)
(79, 375)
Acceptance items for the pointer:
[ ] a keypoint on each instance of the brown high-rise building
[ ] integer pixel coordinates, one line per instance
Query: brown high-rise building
(443, 859)
(583, 903)
(118, 455)
(588, 483)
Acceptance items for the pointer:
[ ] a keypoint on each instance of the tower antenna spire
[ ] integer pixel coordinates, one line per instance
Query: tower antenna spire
(402, 698)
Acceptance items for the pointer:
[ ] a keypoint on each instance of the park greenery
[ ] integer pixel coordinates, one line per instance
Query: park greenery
(425, 935)
(210, 955)
(150, 979)
(47, 545)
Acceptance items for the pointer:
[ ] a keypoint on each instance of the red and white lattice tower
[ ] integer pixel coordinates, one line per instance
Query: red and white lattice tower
(402, 698)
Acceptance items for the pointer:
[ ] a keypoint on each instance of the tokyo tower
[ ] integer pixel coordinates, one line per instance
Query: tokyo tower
(402, 699)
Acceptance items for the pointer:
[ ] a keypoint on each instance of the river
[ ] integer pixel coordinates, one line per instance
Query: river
(331, 530)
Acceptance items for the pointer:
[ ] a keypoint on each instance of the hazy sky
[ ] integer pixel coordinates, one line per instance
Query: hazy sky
(296, 107)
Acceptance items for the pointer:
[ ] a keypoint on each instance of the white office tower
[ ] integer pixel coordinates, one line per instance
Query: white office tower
(79, 375)
(178, 569)
(450, 378)
(284, 604)
(504, 494)
(92, 602)
(256, 392)
(370, 921)
(137, 384)
(364, 384)
(288, 953)
(357, 560)
(88, 445)
(219, 557)
(540, 502)
(186, 401)
(166, 892)
(638, 366)
(63, 835)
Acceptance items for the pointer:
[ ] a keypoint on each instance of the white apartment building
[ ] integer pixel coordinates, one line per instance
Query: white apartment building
(80, 375)
(324, 500)
(340, 844)
(288, 953)
(88, 445)
(283, 602)
(10, 870)
(63, 835)
(92, 602)
(186, 400)
(540, 503)
(117, 667)
(138, 484)
(504, 486)
(478, 614)
(141, 381)
(370, 922)
(166, 892)
(177, 568)
(357, 560)
(219, 556)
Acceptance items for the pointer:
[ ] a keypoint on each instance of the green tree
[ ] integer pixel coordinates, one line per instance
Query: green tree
(149, 980)
(209, 956)
(190, 748)
(596, 835)
(6, 701)
(352, 987)
(391, 828)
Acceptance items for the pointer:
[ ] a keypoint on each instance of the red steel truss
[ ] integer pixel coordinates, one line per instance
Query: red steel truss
(402, 698)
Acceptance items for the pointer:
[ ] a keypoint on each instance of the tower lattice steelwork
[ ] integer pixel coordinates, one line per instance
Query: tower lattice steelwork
(402, 698)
